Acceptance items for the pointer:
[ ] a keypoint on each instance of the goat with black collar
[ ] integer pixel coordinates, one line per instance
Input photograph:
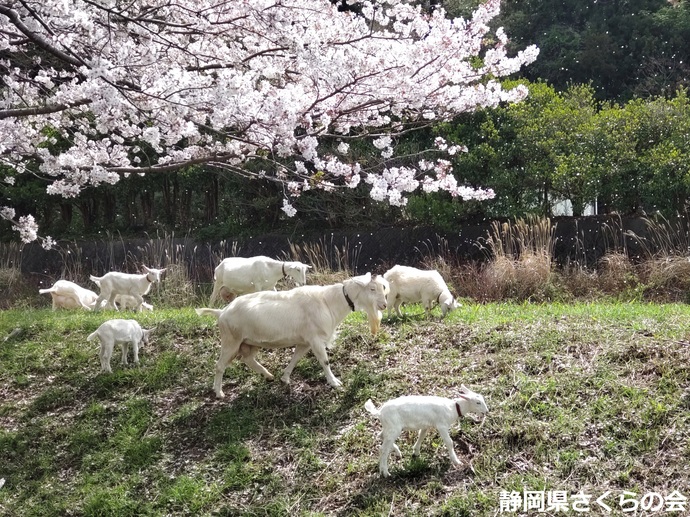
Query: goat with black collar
(421, 413)
(304, 317)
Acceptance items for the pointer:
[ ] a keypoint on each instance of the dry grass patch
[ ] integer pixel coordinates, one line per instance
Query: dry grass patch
(616, 273)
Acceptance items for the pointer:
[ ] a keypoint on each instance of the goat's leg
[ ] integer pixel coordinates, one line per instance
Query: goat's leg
(135, 352)
(449, 445)
(319, 350)
(395, 447)
(139, 300)
(389, 437)
(125, 350)
(105, 355)
(99, 302)
(418, 443)
(111, 302)
(300, 352)
(398, 303)
(248, 357)
(216, 289)
(228, 351)
(383, 459)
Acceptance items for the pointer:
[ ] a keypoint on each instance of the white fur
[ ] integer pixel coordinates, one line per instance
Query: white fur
(68, 295)
(126, 332)
(421, 413)
(127, 301)
(304, 317)
(412, 285)
(125, 284)
(240, 275)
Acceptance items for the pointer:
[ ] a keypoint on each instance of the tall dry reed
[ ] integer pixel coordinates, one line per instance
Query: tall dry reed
(521, 259)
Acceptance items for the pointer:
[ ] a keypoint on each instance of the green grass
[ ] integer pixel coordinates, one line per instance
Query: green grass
(584, 396)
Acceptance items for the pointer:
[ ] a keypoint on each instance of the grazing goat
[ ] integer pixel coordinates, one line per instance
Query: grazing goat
(240, 275)
(119, 331)
(304, 317)
(115, 283)
(411, 285)
(68, 295)
(421, 413)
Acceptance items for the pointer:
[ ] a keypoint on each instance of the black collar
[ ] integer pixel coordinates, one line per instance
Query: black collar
(457, 408)
(438, 298)
(348, 300)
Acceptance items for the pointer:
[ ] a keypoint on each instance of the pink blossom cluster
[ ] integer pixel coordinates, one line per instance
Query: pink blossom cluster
(229, 81)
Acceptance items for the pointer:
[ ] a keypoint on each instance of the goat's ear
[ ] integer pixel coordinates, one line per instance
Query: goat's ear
(363, 280)
(308, 267)
(463, 389)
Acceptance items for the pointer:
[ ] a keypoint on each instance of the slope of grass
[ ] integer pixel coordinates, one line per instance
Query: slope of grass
(588, 397)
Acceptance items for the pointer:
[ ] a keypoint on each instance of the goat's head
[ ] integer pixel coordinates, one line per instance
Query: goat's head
(471, 402)
(448, 305)
(226, 294)
(297, 271)
(153, 275)
(369, 293)
(145, 333)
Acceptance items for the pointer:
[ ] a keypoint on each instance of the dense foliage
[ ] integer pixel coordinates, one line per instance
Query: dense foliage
(635, 48)
(630, 157)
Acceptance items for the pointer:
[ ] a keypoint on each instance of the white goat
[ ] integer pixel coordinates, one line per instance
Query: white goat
(411, 285)
(125, 332)
(127, 301)
(68, 295)
(124, 301)
(304, 317)
(240, 275)
(115, 283)
(421, 413)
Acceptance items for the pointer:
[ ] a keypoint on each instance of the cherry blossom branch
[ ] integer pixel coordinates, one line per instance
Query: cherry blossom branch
(153, 86)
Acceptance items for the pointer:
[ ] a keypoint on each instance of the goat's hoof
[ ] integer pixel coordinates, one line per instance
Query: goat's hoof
(220, 395)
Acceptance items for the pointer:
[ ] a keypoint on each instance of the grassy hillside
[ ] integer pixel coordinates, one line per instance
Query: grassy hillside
(582, 397)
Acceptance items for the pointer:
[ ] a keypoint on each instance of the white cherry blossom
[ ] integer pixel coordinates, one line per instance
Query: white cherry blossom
(228, 81)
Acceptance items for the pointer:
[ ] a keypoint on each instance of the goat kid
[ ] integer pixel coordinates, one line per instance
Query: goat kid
(126, 332)
(304, 317)
(115, 282)
(126, 301)
(421, 413)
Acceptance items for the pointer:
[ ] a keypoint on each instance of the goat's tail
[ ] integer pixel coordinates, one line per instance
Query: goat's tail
(95, 279)
(369, 406)
(209, 312)
(92, 336)
(44, 291)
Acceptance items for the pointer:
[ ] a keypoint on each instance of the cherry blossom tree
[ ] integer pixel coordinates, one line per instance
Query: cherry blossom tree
(92, 91)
